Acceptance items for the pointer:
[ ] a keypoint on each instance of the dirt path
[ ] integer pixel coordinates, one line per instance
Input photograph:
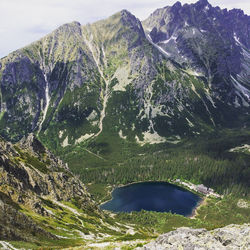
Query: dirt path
(94, 154)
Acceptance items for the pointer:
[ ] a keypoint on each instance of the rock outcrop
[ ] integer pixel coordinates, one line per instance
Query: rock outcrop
(230, 237)
(30, 179)
(34, 172)
(14, 225)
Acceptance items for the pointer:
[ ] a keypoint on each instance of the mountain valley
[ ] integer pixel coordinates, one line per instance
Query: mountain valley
(88, 108)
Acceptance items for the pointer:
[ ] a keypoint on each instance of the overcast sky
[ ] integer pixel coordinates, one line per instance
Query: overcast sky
(24, 21)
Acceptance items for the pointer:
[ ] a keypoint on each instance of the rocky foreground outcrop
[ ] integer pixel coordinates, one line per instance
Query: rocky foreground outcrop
(229, 237)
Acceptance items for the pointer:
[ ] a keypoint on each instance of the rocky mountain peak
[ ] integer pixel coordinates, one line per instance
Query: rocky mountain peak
(69, 28)
(32, 143)
(74, 76)
(238, 12)
(202, 5)
(128, 18)
(125, 12)
(176, 6)
(177, 30)
(202, 2)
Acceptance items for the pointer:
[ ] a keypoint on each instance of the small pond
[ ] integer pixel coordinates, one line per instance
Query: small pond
(152, 196)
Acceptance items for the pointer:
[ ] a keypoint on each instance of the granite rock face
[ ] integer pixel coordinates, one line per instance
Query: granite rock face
(229, 237)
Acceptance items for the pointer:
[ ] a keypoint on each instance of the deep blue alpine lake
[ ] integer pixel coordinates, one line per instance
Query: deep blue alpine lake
(152, 196)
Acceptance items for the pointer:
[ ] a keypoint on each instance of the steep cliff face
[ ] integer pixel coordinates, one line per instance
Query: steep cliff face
(207, 41)
(35, 172)
(36, 78)
(229, 237)
(15, 225)
(32, 181)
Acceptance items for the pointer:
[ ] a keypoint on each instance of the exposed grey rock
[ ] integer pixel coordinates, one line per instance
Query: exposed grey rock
(211, 41)
(30, 176)
(14, 225)
(230, 237)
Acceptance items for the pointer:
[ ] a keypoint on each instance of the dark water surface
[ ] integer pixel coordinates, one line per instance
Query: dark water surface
(152, 196)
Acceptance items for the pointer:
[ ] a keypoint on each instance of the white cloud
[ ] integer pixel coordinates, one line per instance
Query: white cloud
(23, 21)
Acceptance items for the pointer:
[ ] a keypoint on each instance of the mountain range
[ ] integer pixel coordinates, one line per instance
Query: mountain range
(182, 71)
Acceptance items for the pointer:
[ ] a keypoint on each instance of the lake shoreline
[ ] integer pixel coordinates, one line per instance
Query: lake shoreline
(123, 185)
(195, 209)
(171, 182)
